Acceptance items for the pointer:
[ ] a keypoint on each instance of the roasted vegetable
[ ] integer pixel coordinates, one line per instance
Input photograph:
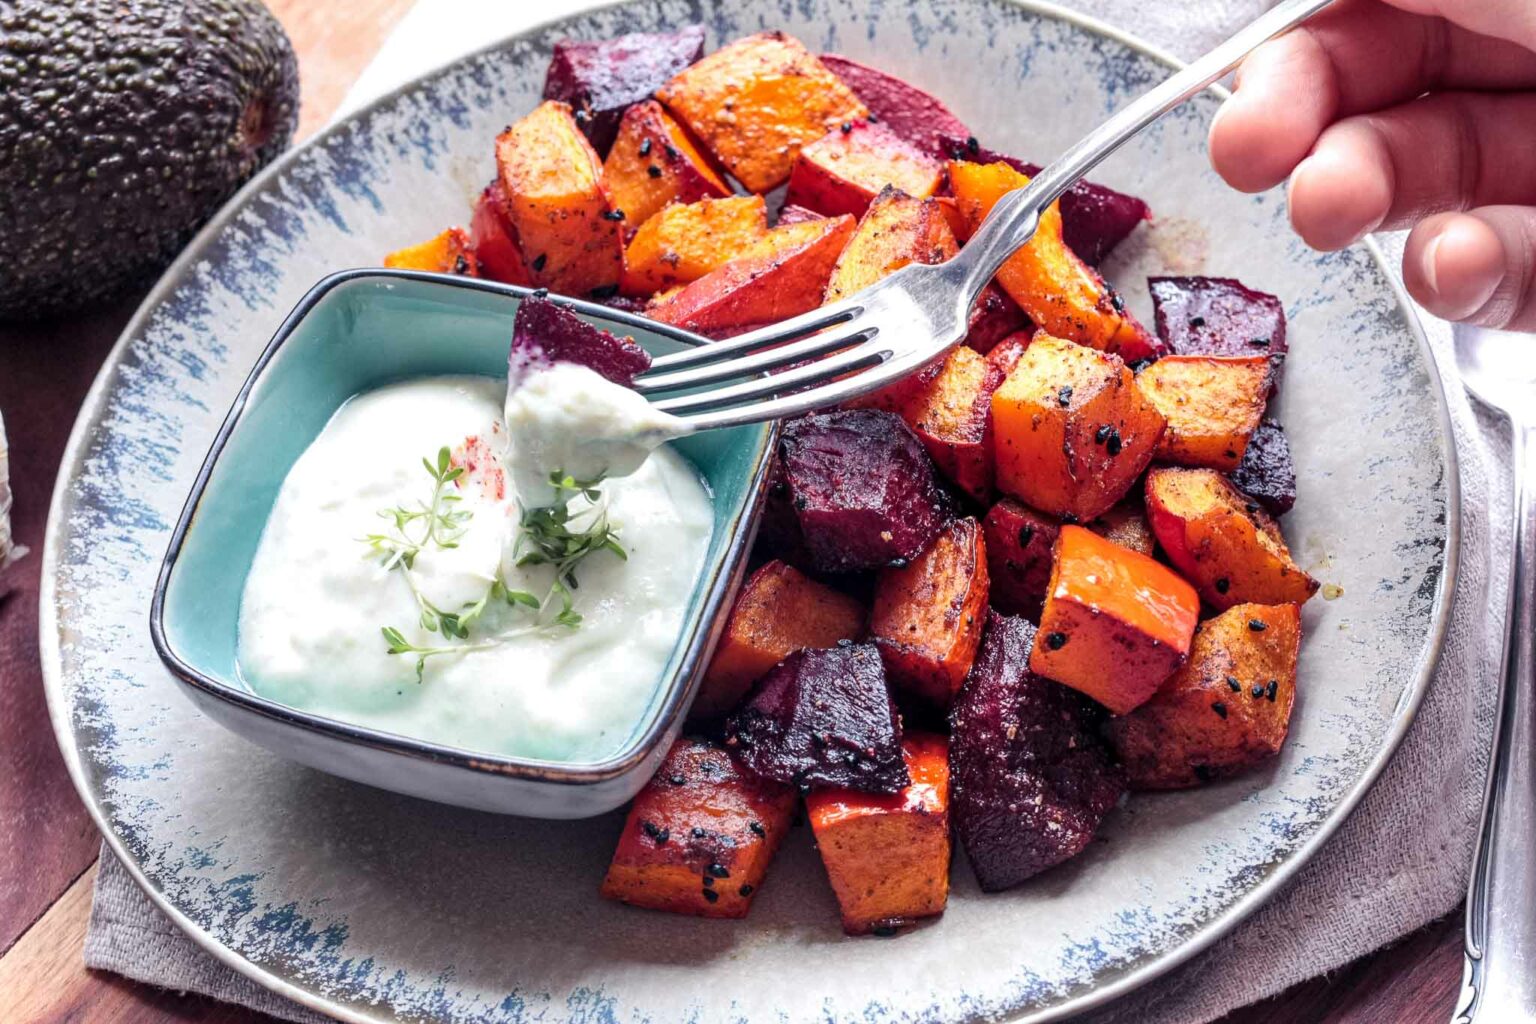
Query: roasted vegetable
(822, 717)
(895, 230)
(951, 413)
(779, 611)
(699, 836)
(908, 111)
(928, 615)
(1223, 542)
(545, 331)
(863, 488)
(781, 275)
(1115, 623)
(844, 170)
(1126, 524)
(682, 243)
(558, 204)
(792, 214)
(600, 79)
(653, 162)
(1019, 545)
(1267, 474)
(1212, 405)
(1005, 355)
(1218, 316)
(1071, 429)
(756, 101)
(994, 318)
(494, 239)
(447, 253)
(1062, 294)
(1229, 708)
(778, 528)
(887, 857)
(1030, 778)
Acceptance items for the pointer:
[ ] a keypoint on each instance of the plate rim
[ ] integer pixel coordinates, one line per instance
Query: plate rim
(1199, 940)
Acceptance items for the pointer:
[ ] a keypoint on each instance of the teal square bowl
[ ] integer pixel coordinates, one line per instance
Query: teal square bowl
(354, 332)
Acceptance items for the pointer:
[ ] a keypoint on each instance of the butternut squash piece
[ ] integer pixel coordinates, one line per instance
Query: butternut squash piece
(1212, 405)
(1115, 624)
(845, 169)
(681, 243)
(1126, 524)
(447, 253)
(952, 415)
(653, 162)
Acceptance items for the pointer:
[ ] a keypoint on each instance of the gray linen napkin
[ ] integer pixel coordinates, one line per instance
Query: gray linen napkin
(1397, 864)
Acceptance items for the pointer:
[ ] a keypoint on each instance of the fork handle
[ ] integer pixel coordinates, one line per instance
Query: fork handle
(1015, 217)
(1499, 980)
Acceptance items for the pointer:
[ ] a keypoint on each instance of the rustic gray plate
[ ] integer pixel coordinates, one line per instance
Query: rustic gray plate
(374, 907)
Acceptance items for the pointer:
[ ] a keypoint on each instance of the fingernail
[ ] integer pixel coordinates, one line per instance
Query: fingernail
(1427, 262)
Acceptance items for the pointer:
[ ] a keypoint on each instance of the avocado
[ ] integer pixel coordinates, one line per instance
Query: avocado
(124, 124)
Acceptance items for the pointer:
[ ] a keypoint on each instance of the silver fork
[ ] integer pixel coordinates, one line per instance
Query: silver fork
(866, 341)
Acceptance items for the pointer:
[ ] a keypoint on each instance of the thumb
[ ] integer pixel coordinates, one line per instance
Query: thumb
(1478, 267)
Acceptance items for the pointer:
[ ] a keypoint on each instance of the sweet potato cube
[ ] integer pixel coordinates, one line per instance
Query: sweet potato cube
(755, 102)
(699, 836)
(952, 415)
(1126, 524)
(1267, 474)
(1223, 542)
(1071, 429)
(681, 243)
(822, 717)
(1031, 778)
(928, 615)
(779, 611)
(1019, 545)
(782, 274)
(1227, 709)
(447, 253)
(494, 239)
(1062, 294)
(887, 857)
(653, 162)
(895, 230)
(558, 204)
(862, 487)
(1115, 623)
(600, 79)
(1218, 316)
(911, 113)
(844, 170)
(1212, 405)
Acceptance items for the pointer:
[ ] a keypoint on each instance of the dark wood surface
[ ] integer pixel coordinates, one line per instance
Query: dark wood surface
(47, 843)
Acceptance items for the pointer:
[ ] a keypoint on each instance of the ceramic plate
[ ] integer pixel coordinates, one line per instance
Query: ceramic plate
(374, 907)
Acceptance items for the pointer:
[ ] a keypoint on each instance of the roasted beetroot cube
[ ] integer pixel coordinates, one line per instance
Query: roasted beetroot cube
(1019, 542)
(1218, 316)
(778, 529)
(546, 331)
(863, 489)
(822, 717)
(601, 79)
(1267, 474)
(792, 214)
(1094, 218)
(1031, 779)
(994, 317)
(911, 113)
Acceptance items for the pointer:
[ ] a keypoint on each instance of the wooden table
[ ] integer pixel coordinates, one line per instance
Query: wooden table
(48, 845)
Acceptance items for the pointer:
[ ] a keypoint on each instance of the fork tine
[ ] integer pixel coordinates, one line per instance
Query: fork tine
(815, 346)
(820, 371)
(775, 334)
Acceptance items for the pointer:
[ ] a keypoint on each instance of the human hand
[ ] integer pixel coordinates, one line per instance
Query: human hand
(1389, 114)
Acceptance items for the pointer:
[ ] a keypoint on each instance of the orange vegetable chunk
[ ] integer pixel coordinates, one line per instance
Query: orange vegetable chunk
(557, 203)
(1115, 624)
(952, 415)
(896, 229)
(1071, 429)
(1126, 524)
(1063, 295)
(699, 836)
(756, 101)
(845, 169)
(1222, 541)
(653, 162)
(779, 611)
(494, 239)
(1212, 405)
(887, 857)
(447, 253)
(682, 242)
(928, 615)
(781, 275)
(1227, 709)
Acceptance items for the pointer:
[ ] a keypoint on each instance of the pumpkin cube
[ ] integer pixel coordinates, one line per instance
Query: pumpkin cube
(1212, 405)
(447, 253)
(682, 242)
(952, 415)
(494, 239)
(1126, 524)
(653, 162)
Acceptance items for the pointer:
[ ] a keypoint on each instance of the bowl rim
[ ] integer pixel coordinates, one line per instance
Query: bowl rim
(1200, 938)
(694, 639)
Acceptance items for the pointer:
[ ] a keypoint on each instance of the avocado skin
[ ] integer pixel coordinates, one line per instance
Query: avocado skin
(124, 124)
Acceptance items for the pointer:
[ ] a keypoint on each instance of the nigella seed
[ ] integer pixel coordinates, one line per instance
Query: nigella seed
(1257, 691)
(1103, 434)
(540, 260)
(972, 146)
(845, 642)
(757, 826)
(746, 889)
(897, 563)
(1257, 625)
(650, 829)
(677, 780)
(1116, 301)
(1056, 641)
(613, 215)
(1026, 534)
(672, 153)
(1234, 685)
(540, 293)
(847, 127)
(645, 147)
(1220, 708)
(1223, 584)
(709, 883)
(1064, 395)
(1272, 690)
(698, 833)
(653, 171)
(1197, 322)
(872, 119)
(1259, 342)
(1114, 444)
(719, 871)
(711, 896)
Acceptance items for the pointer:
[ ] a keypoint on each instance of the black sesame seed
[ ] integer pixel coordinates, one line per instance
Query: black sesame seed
(757, 826)
(719, 871)
(1251, 508)
(1064, 395)
(1223, 585)
(1197, 322)
(1103, 434)
(711, 896)
(1272, 690)
(645, 147)
(672, 153)
(653, 171)
(972, 146)
(540, 260)
(1055, 641)
(847, 127)
(1257, 691)
(1234, 685)
(1117, 302)
(1026, 534)
(650, 829)
(1257, 625)
(1220, 708)
(613, 215)
(1114, 444)
(746, 889)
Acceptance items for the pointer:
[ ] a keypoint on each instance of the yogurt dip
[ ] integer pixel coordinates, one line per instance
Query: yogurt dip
(320, 593)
